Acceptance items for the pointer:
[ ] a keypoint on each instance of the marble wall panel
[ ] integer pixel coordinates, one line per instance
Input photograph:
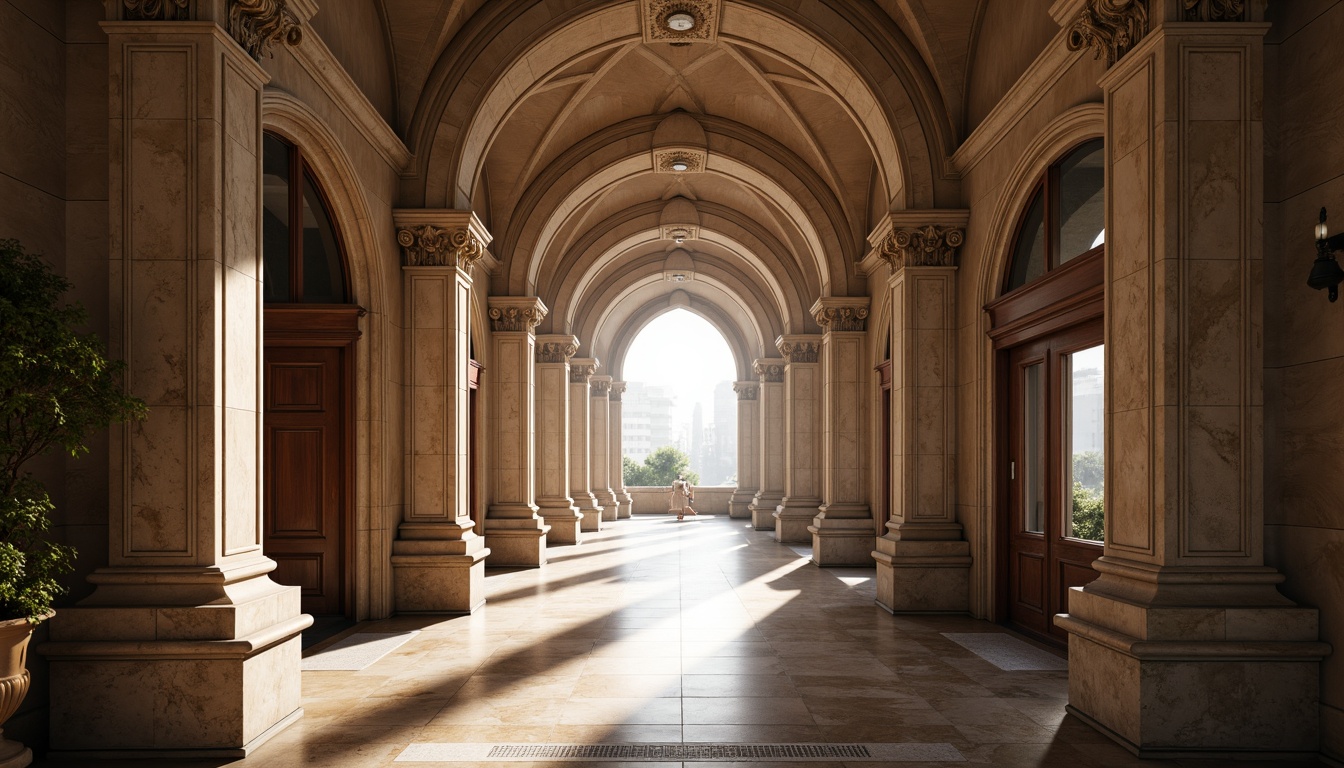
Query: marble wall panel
(1216, 504)
(1129, 349)
(1215, 335)
(241, 519)
(1129, 524)
(161, 498)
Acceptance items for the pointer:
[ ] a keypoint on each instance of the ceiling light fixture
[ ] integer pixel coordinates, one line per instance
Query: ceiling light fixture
(680, 21)
(680, 165)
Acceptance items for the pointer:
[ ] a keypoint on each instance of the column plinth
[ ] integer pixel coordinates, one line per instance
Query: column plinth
(771, 454)
(554, 503)
(581, 371)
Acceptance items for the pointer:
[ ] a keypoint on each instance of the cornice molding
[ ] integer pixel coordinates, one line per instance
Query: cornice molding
(516, 314)
(841, 313)
(440, 238)
(1109, 27)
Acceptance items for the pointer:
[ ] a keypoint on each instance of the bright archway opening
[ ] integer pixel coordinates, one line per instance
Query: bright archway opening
(680, 410)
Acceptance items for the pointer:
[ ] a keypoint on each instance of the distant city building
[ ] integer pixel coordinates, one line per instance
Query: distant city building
(646, 420)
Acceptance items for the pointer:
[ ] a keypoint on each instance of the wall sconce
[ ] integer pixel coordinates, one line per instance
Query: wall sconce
(1326, 272)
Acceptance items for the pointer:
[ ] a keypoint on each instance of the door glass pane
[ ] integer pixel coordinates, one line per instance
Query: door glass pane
(1084, 375)
(275, 219)
(323, 278)
(1033, 448)
(1029, 254)
(1082, 217)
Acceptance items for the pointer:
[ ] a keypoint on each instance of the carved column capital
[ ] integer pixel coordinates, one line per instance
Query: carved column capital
(156, 10)
(515, 313)
(581, 369)
(1215, 10)
(931, 245)
(617, 389)
(747, 390)
(1112, 27)
(258, 24)
(799, 349)
(600, 386)
(770, 370)
(841, 313)
(440, 238)
(556, 348)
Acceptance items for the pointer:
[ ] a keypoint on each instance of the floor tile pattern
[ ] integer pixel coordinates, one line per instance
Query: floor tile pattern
(355, 652)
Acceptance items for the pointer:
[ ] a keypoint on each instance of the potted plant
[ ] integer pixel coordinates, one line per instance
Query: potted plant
(56, 388)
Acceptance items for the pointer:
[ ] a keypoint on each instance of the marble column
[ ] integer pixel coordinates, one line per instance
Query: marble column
(438, 559)
(514, 531)
(923, 559)
(802, 437)
(771, 441)
(581, 444)
(843, 530)
(748, 448)
(553, 500)
(600, 446)
(1183, 644)
(623, 497)
(185, 646)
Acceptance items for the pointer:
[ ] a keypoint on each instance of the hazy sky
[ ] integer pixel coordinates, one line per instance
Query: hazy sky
(683, 352)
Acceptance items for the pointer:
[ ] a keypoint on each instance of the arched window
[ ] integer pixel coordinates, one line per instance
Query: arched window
(1066, 218)
(302, 264)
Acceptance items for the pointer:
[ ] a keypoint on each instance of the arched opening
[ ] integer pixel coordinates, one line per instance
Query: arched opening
(680, 409)
(1047, 329)
(309, 331)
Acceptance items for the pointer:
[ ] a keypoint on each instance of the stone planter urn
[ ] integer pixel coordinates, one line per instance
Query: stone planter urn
(14, 679)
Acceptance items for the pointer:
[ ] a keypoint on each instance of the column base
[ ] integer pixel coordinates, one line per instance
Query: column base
(923, 576)
(438, 568)
(611, 505)
(739, 506)
(523, 547)
(592, 519)
(215, 671)
(565, 522)
(842, 541)
(763, 511)
(793, 518)
(14, 755)
(1186, 662)
(627, 505)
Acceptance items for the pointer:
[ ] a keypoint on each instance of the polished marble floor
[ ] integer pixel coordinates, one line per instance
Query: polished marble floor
(658, 631)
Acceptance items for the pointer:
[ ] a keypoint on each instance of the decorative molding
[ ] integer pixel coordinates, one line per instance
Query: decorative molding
(430, 246)
(581, 370)
(600, 388)
(257, 24)
(156, 10)
(704, 29)
(748, 390)
(1110, 27)
(769, 371)
(617, 389)
(841, 313)
(799, 349)
(931, 245)
(555, 352)
(1215, 10)
(695, 159)
(516, 314)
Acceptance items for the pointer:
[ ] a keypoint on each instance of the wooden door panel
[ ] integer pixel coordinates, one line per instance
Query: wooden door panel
(1031, 581)
(298, 466)
(294, 386)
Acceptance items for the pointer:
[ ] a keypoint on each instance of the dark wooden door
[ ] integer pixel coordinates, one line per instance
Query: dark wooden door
(884, 381)
(308, 452)
(1054, 401)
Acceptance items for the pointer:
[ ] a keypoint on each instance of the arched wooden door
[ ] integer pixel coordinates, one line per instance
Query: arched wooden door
(1048, 330)
(309, 331)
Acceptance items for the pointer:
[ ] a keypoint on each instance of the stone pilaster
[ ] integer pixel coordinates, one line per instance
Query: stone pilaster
(553, 500)
(581, 371)
(600, 446)
(186, 597)
(626, 501)
(771, 441)
(802, 437)
(1184, 644)
(514, 531)
(923, 560)
(843, 530)
(748, 448)
(438, 559)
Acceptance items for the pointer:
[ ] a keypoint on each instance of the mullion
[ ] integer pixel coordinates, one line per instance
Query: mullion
(296, 225)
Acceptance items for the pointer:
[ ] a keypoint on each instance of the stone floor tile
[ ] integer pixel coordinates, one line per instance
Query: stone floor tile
(737, 685)
(728, 710)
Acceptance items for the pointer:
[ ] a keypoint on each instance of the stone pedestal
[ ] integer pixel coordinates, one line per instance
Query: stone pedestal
(186, 647)
(438, 559)
(923, 561)
(802, 437)
(625, 502)
(748, 448)
(514, 531)
(771, 441)
(580, 443)
(1183, 645)
(554, 503)
(599, 462)
(843, 530)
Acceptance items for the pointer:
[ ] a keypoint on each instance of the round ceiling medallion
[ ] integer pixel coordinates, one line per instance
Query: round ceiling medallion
(680, 165)
(680, 21)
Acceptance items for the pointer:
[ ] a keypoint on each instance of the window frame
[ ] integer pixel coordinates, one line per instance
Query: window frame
(1048, 184)
(302, 172)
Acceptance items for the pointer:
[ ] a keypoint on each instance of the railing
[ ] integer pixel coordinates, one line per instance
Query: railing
(710, 500)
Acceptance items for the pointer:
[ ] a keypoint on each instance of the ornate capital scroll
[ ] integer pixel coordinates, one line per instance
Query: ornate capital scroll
(799, 350)
(1111, 27)
(927, 246)
(581, 370)
(517, 318)
(257, 24)
(748, 390)
(600, 388)
(770, 372)
(1215, 10)
(430, 246)
(555, 352)
(156, 10)
(841, 318)
(617, 389)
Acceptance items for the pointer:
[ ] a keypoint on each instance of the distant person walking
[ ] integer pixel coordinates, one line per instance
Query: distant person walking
(681, 496)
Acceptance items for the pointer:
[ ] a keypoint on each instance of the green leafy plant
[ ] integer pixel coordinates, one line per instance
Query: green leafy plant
(659, 468)
(56, 388)
(1089, 513)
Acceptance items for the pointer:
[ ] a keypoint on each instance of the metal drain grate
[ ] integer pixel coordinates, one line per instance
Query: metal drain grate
(677, 752)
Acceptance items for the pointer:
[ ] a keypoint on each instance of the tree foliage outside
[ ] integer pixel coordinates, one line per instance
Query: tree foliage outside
(1089, 500)
(1089, 468)
(56, 388)
(659, 468)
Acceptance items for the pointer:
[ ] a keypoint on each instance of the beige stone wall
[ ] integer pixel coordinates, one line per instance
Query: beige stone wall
(1010, 36)
(353, 31)
(1304, 333)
